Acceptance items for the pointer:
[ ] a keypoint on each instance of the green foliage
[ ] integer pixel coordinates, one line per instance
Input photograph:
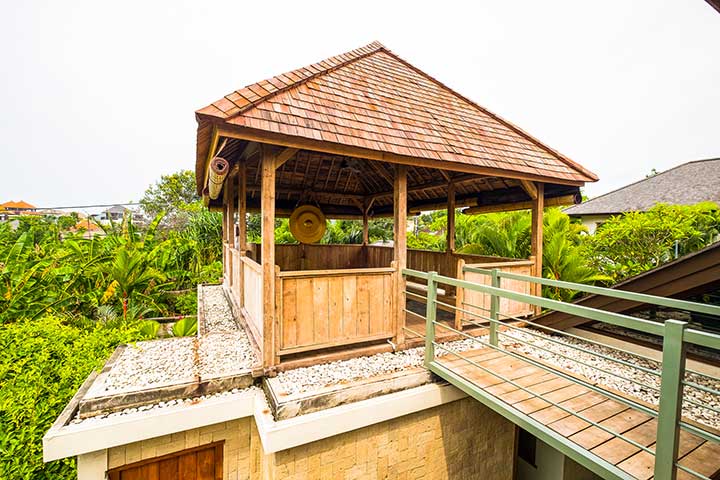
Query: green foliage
(149, 328)
(185, 327)
(563, 258)
(126, 270)
(43, 363)
(173, 194)
(496, 234)
(630, 244)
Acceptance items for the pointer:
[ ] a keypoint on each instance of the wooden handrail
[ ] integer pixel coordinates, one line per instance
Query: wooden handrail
(325, 273)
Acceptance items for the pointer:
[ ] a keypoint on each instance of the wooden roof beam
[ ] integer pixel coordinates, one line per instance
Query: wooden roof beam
(443, 183)
(509, 207)
(284, 156)
(246, 133)
(530, 188)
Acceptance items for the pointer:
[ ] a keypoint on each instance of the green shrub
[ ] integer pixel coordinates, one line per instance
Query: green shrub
(185, 327)
(43, 363)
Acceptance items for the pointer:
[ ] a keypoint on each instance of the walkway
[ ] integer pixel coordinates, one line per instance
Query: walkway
(529, 389)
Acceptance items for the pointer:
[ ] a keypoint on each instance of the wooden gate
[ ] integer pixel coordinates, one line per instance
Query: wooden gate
(200, 463)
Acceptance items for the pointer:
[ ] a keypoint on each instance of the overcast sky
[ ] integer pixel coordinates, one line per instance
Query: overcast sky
(97, 98)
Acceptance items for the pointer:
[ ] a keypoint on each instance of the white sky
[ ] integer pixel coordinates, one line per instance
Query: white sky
(97, 98)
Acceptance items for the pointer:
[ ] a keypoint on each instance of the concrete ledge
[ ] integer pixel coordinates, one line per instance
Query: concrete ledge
(288, 406)
(90, 407)
(64, 441)
(281, 435)
(90, 436)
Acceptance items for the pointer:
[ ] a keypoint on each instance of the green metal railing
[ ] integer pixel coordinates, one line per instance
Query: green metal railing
(670, 374)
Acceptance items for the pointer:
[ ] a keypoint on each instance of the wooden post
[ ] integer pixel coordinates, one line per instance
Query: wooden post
(400, 247)
(536, 238)
(230, 199)
(366, 226)
(450, 247)
(242, 208)
(242, 229)
(267, 207)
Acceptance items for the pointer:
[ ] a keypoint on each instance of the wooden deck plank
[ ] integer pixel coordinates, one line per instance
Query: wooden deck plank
(616, 449)
(635, 425)
(538, 378)
(592, 437)
(703, 460)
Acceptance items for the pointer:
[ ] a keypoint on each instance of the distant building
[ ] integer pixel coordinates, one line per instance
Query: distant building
(17, 208)
(114, 213)
(686, 184)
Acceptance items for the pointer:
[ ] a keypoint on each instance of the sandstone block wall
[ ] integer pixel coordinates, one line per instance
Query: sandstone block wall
(459, 440)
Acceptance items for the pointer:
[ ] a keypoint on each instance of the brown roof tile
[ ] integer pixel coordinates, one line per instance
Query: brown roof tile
(372, 99)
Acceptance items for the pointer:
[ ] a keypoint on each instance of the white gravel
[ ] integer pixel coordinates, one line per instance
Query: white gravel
(711, 354)
(306, 379)
(223, 350)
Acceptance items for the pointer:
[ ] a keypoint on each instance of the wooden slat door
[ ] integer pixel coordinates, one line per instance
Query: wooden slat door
(200, 463)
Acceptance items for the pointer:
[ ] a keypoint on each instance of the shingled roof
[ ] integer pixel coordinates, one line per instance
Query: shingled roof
(686, 184)
(371, 99)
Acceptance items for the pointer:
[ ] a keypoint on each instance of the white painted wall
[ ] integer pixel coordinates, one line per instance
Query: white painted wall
(92, 466)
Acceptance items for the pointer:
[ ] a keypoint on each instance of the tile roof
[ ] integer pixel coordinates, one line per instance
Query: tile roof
(17, 205)
(686, 184)
(372, 99)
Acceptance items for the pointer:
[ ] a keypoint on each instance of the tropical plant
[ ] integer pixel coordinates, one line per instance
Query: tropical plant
(185, 327)
(632, 243)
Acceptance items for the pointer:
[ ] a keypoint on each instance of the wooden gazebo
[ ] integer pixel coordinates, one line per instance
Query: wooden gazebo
(360, 135)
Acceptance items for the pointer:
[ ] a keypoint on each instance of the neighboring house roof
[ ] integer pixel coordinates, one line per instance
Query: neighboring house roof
(686, 184)
(22, 205)
(116, 209)
(370, 98)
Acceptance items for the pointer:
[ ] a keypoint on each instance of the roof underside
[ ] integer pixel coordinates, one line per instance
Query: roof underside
(686, 184)
(369, 99)
(340, 185)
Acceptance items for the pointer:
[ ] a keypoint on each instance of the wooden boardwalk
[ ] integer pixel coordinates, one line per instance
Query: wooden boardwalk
(694, 452)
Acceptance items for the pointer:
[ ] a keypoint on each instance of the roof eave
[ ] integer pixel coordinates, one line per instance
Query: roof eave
(250, 134)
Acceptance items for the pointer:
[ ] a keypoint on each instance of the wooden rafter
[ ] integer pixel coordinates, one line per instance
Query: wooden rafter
(284, 156)
(530, 188)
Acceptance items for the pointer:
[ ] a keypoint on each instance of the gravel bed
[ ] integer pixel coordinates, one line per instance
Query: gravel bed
(306, 379)
(154, 407)
(149, 364)
(223, 350)
(218, 315)
(705, 352)
(613, 371)
(223, 354)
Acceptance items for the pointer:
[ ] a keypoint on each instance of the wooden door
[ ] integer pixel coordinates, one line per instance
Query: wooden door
(200, 463)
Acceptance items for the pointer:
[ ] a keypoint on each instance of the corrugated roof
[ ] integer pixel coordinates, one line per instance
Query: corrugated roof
(372, 99)
(686, 184)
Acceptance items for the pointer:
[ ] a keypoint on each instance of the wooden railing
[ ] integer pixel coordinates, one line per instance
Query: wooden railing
(475, 302)
(318, 309)
(252, 296)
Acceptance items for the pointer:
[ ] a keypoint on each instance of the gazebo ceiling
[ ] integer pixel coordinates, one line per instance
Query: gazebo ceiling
(354, 115)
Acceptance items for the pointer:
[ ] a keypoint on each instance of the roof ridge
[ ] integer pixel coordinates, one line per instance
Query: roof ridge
(354, 55)
(647, 178)
(497, 117)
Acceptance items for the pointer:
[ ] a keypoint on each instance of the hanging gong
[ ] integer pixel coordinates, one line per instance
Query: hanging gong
(307, 224)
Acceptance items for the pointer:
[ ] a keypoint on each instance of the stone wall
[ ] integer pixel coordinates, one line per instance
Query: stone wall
(459, 440)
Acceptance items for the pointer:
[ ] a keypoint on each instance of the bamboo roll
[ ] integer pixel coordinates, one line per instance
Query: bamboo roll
(219, 168)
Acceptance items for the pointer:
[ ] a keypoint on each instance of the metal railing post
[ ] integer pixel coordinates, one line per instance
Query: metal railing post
(494, 307)
(671, 392)
(430, 314)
